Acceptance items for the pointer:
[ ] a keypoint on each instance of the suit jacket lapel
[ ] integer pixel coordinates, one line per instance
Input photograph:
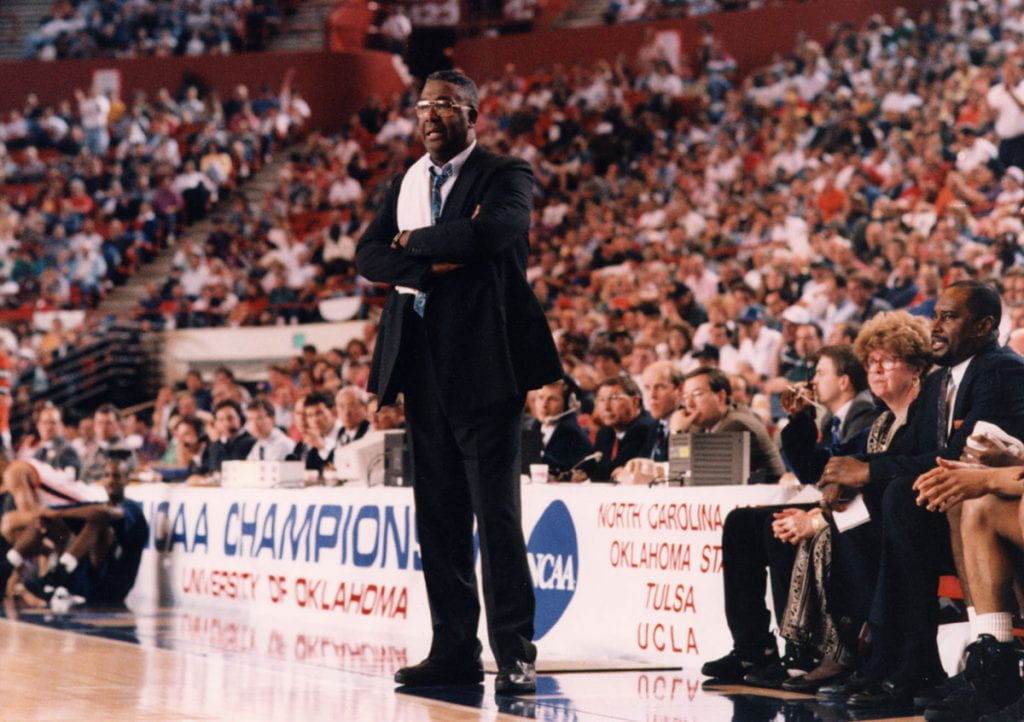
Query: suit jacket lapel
(456, 199)
(972, 370)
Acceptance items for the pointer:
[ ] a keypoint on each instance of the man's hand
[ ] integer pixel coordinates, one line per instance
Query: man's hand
(835, 497)
(950, 483)
(796, 398)
(845, 471)
(681, 421)
(980, 449)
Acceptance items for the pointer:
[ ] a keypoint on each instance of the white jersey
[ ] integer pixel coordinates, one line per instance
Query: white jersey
(59, 488)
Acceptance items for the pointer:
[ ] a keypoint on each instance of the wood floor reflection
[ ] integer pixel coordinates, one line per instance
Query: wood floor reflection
(168, 665)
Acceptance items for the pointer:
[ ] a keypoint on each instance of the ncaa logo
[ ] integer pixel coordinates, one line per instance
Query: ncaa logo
(554, 560)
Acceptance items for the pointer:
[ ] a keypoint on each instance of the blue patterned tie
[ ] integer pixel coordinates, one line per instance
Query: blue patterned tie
(834, 443)
(437, 179)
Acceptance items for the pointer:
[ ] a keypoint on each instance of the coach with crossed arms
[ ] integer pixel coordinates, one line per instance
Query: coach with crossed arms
(464, 338)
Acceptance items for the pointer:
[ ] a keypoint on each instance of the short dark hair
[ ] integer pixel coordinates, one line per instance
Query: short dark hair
(628, 386)
(717, 380)
(608, 352)
(230, 404)
(319, 397)
(462, 81)
(193, 421)
(847, 364)
(982, 301)
(261, 402)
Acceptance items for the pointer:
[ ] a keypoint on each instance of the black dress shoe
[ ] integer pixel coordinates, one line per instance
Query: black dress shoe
(518, 677)
(440, 673)
(734, 666)
(894, 693)
(769, 676)
(843, 688)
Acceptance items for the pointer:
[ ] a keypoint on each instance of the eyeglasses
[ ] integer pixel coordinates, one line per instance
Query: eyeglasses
(610, 399)
(694, 395)
(886, 363)
(442, 107)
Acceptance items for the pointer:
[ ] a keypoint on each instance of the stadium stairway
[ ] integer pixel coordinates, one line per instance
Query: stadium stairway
(18, 19)
(124, 299)
(583, 13)
(306, 29)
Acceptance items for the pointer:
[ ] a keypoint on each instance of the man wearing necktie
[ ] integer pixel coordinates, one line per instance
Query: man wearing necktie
(980, 381)
(663, 387)
(464, 338)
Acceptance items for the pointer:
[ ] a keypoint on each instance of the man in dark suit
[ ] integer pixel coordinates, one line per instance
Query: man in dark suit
(750, 551)
(663, 387)
(233, 443)
(564, 443)
(979, 381)
(464, 338)
(625, 426)
(53, 448)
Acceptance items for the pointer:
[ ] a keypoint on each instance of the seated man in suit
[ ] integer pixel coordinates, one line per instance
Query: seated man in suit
(351, 407)
(320, 432)
(565, 444)
(749, 550)
(107, 424)
(625, 426)
(708, 396)
(663, 388)
(978, 381)
(53, 448)
(233, 442)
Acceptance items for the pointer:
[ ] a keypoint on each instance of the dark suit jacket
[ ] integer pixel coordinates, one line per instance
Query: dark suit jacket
(807, 454)
(567, 446)
(765, 460)
(235, 449)
(630, 446)
(486, 329)
(360, 432)
(991, 390)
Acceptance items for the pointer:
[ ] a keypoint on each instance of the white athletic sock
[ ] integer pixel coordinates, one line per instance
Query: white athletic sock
(971, 616)
(998, 624)
(68, 561)
(15, 558)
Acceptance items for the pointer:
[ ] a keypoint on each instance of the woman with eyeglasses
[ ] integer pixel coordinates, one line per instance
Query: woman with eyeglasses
(834, 573)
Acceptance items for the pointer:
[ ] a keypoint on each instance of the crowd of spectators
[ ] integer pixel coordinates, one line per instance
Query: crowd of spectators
(624, 11)
(124, 29)
(95, 187)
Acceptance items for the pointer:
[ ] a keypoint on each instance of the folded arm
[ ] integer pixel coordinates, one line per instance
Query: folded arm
(377, 261)
(500, 220)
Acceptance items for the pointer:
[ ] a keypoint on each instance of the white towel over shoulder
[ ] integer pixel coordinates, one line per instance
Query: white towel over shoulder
(414, 197)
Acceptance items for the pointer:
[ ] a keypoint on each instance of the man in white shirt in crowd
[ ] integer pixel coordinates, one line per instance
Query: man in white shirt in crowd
(320, 432)
(1006, 103)
(758, 343)
(272, 444)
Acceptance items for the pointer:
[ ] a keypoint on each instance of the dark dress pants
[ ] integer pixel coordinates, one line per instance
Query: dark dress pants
(904, 614)
(749, 553)
(466, 466)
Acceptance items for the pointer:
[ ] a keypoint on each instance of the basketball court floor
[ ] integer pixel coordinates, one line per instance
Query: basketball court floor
(164, 664)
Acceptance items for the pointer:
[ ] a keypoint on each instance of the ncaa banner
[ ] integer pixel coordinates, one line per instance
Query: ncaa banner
(620, 573)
